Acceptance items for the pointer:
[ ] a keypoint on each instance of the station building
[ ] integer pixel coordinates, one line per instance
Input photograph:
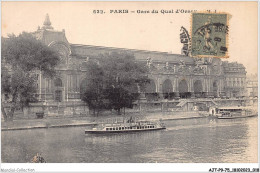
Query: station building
(173, 76)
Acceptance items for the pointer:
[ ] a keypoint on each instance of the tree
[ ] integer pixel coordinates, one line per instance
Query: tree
(22, 56)
(125, 78)
(94, 94)
(122, 79)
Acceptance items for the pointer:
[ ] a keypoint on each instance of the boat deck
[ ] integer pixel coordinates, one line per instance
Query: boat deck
(121, 131)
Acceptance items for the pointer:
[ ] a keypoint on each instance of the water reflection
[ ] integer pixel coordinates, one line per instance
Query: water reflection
(193, 140)
(121, 137)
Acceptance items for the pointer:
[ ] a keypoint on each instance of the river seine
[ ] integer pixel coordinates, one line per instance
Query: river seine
(202, 140)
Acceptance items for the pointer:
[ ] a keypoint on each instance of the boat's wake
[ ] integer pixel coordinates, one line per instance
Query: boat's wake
(212, 124)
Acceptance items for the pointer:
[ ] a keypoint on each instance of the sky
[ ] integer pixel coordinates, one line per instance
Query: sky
(145, 31)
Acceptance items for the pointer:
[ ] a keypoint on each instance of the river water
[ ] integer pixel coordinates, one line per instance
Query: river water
(202, 140)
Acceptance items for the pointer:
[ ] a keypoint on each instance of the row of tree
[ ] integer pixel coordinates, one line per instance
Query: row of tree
(113, 80)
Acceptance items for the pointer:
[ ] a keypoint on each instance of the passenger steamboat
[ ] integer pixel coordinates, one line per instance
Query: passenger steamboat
(234, 112)
(126, 126)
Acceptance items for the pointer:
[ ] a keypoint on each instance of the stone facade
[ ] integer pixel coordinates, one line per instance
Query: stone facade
(252, 86)
(172, 75)
(235, 77)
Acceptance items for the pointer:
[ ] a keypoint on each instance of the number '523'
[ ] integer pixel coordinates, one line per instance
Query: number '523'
(98, 11)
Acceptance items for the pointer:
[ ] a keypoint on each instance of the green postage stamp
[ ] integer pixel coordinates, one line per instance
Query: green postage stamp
(209, 33)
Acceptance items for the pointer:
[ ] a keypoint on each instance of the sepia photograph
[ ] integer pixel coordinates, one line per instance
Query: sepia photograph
(89, 82)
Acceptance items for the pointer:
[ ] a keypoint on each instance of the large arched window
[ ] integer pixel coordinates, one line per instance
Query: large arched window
(198, 88)
(63, 50)
(183, 86)
(167, 89)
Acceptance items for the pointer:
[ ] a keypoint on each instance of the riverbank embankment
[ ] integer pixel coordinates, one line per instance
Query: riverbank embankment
(71, 121)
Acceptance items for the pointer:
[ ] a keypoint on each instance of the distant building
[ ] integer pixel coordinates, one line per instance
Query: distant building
(235, 79)
(252, 85)
(172, 75)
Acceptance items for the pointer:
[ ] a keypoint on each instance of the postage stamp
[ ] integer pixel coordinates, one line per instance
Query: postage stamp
(209, 35)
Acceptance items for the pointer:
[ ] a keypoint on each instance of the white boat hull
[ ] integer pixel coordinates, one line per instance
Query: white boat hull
(235, 117)
(121, 131)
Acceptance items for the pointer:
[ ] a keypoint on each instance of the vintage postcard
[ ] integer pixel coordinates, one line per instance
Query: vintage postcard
(129, 82)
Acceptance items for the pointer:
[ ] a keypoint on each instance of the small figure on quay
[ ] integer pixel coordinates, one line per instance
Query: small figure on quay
(130, 120)
(38, 159)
